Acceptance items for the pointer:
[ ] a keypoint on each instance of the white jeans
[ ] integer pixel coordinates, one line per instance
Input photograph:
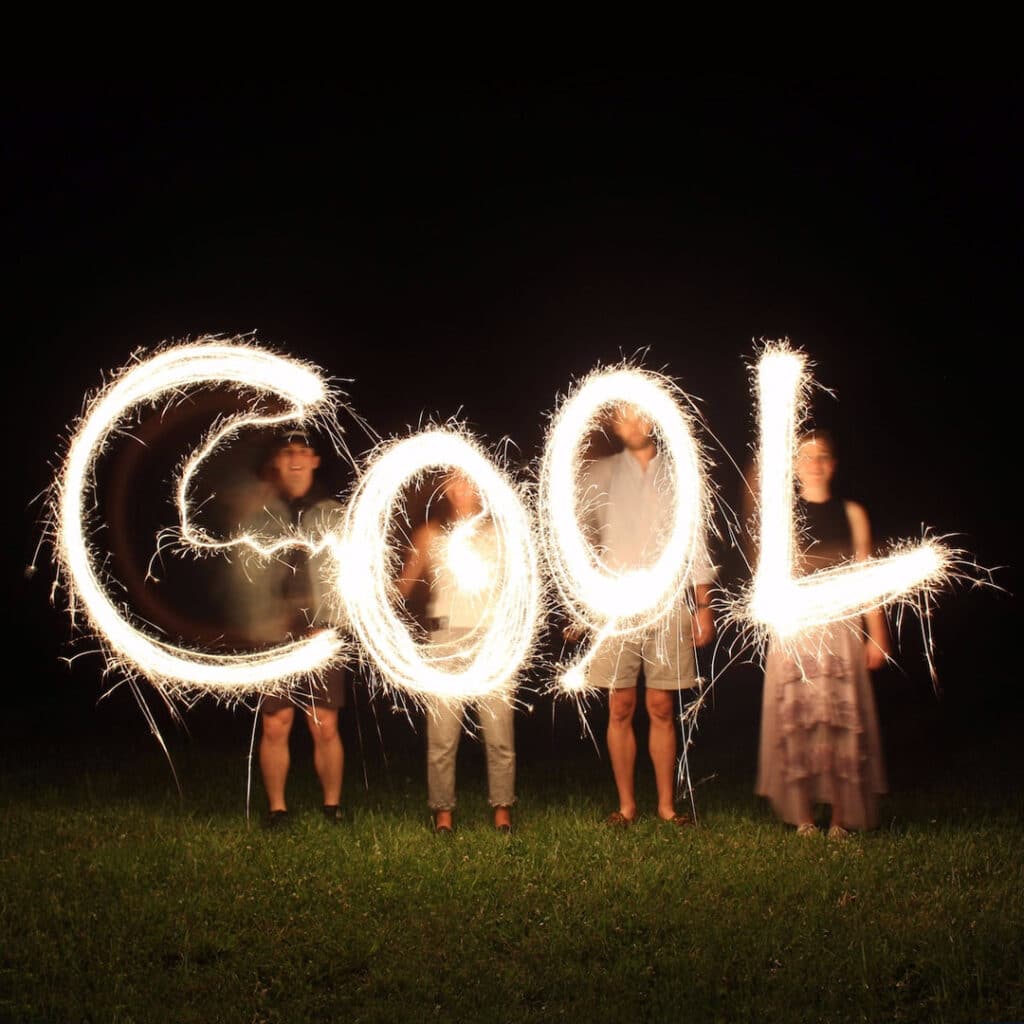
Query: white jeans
(444, 730)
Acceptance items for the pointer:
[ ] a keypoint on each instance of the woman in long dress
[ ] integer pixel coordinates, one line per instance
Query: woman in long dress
(820, 742)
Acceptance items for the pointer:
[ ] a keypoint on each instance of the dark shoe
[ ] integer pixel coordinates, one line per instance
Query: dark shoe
(278, 820)
(618, 820)
(680, 820)
(332, 813)
(505, 830)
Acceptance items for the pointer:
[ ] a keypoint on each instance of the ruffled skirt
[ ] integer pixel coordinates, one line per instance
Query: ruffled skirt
(819, 728)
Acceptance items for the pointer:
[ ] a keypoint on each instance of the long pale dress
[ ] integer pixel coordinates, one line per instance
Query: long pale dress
(820, 741)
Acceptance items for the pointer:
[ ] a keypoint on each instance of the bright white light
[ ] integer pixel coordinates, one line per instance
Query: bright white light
(473, 572)
(170, 372)
(787, 604)
(487, 662)
(612, 601)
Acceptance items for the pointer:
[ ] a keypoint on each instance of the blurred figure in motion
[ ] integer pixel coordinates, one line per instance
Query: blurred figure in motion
(285, 598)
(456, 557)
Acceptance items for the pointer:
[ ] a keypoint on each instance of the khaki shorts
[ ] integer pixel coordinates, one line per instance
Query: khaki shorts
(665, 653)
(326, 692)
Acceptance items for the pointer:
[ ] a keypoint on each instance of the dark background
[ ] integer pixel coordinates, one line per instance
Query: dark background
(472, 247)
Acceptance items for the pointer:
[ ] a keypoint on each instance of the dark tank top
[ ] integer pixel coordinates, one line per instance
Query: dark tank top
(825, 539)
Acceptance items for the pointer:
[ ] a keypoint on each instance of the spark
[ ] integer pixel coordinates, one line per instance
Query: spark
(612, 601)
(787, 605)
(487, 661)
(169, 373)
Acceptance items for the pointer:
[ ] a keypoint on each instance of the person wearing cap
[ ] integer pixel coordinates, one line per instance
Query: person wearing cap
(287, 597)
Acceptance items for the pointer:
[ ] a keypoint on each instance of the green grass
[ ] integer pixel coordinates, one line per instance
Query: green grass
(123, 902)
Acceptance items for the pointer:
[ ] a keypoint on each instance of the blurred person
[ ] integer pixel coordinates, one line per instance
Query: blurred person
(285, 598)
(626, 495)
(819, 728)
(456, 557)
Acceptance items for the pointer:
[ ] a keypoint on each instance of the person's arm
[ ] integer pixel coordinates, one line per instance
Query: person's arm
(703, 619)
(877, 647)
(417, 560)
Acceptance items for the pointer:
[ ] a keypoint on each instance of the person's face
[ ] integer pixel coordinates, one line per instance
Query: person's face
(631, 427)
(815, 464)
(461, 494)
(295, 464)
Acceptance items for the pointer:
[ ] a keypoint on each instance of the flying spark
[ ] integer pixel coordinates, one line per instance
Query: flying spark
(170, 372)
(490, 657)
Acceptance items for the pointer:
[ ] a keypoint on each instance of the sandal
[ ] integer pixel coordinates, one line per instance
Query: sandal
(838, 832)
(807, 829)
(680, 820)
(618, 820)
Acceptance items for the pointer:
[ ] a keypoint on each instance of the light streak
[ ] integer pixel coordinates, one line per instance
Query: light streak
(170, 372)
(487, 662)
(614, 601)
(779, 601)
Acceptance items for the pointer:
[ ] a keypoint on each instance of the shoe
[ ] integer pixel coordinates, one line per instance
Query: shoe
(806, 829)
(681, 820)
(332, 813)
(278, 820)
(838, 832)
(505, 829)
(618, 820)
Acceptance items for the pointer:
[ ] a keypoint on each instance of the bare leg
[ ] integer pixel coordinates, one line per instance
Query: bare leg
(622, 747)
(274, 755)
(328, 754)
(662, 747)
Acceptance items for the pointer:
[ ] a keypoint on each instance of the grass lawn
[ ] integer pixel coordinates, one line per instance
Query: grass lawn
(123, 901)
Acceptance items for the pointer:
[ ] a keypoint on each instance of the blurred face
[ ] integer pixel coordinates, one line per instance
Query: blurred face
(815, 465)
(461, 494)
(295, 464)
(632, 428)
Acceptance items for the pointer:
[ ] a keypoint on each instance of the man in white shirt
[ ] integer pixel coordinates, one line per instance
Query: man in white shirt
(629, 508)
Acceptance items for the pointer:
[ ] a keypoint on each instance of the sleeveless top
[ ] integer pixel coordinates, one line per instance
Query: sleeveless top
(464, 572)
(825, 538)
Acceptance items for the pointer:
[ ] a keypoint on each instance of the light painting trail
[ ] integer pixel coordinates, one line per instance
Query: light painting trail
(780, 602)
(487, 661)
(613, 602)
(169, 373)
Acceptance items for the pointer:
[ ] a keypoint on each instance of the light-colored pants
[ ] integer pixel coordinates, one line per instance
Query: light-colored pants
(444, 730)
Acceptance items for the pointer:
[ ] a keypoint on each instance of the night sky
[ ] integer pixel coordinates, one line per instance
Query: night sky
(471, 247)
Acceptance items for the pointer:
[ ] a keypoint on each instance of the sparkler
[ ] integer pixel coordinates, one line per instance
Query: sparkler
(486, 661)
(612, 601)
(780, 602)
(173, 668)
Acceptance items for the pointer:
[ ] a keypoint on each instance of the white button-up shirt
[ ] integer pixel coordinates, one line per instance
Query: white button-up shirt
(629, 508)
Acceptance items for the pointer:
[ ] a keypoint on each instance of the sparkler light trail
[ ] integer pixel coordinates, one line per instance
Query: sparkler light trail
(488, 659)
(169, 373)
(608, 600)
(780, 602)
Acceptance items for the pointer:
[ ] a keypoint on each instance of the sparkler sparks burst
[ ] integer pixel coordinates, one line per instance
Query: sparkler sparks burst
(170, 372)
(786, 605)
(613, 601)
(487, 660)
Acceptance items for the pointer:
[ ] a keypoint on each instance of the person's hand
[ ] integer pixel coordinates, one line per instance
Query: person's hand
(703, 626)
(876, 646)
(574, 632)
(875, 655)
